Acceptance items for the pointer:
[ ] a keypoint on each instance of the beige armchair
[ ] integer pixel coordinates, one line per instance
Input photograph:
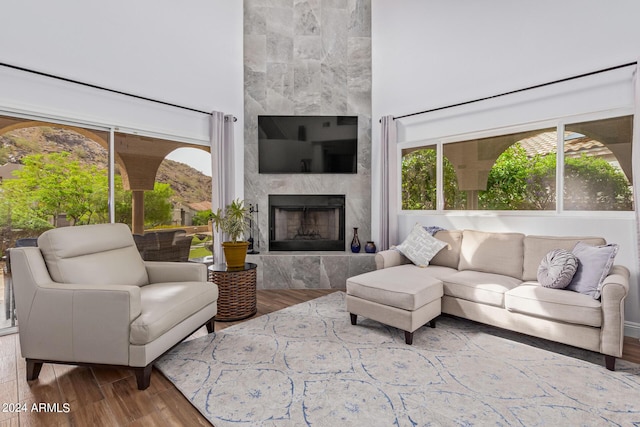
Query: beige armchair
(84, 296)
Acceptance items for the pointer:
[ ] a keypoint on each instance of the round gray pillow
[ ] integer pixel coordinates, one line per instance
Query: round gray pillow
(557, 269)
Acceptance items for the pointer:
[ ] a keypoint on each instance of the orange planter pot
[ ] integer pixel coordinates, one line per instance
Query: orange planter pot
(235, 253)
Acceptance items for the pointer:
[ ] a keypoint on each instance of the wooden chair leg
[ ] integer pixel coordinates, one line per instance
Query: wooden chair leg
(610, 362)
(211, 324)
(354, 318)
(33, 369)
(143, 376)
(408, 337)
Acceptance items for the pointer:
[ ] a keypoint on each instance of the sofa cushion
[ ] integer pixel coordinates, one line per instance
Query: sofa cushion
(536, 247)
(594, 264)
(439, 272)
(449, 256)
(164, 305)
(556, 304)
(484, 288)
(101, 254)
(403, 286)
(499, 253)
(557, 269)
(420, 246)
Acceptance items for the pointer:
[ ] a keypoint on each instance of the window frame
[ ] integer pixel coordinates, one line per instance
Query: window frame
(558, 123)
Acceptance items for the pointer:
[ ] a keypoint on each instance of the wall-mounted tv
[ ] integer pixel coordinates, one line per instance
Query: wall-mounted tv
(307, 144)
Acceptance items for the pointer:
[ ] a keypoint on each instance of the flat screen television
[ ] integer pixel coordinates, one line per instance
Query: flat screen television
(307, 144)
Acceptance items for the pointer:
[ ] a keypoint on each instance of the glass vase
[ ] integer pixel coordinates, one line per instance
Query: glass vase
(355, 243)
(370, 247)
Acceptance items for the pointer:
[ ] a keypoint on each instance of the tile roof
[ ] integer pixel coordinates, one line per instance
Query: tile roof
(200, 206)
(545, 143)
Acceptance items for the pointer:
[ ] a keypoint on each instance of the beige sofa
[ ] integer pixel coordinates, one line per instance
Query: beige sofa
(491, 278)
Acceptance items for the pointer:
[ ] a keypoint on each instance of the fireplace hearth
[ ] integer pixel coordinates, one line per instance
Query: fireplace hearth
(305, 222)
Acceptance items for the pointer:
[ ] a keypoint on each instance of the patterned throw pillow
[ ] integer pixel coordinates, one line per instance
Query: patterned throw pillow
(420, 246)
(557, 269)
(594, 264)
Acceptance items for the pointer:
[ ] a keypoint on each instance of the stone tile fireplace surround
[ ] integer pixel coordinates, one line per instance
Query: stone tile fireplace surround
(309, 57)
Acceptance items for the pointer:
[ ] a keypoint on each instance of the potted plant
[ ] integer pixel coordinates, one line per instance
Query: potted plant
(233, 221)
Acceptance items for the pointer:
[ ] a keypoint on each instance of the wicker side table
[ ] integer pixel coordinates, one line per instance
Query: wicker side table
(236, 291)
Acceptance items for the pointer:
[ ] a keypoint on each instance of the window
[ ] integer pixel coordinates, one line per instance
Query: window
(57, 173)
(50, 176)
(597, 165)
(58, 177)
(503, 172)
(518, 171)
(419, 178)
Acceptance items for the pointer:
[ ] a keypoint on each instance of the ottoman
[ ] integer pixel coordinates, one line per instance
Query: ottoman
(405, 304)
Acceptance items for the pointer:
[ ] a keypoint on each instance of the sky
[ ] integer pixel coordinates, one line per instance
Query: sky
(197, 159)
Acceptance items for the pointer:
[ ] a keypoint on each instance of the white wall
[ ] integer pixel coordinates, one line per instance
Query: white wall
(428, 54)
(185, 53)
(433, 53)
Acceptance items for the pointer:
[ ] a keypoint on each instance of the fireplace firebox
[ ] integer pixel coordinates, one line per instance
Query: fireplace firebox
(306, 222)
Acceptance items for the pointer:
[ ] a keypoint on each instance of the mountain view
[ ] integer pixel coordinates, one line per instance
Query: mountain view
(188, 184)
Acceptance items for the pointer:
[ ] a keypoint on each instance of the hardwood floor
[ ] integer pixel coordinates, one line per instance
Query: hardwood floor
(109, 397)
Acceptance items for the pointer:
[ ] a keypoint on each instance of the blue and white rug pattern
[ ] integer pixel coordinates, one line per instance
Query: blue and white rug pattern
(307, 365)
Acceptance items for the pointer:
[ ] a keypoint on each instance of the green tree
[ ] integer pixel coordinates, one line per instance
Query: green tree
(54, 184)
(202, 217)
(519, 182)
(157, 204)
(541, 183)
(419, 182)
(50, 185)
(507, 181)
(591, 183)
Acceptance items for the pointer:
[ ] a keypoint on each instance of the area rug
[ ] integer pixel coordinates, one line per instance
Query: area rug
(307, 365)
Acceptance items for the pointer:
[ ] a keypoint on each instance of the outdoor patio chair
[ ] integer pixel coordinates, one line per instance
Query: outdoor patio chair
(164, 245)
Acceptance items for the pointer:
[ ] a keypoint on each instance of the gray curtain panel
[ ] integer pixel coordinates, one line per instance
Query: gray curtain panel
(387, 142)
(222, 171)
(635, 153)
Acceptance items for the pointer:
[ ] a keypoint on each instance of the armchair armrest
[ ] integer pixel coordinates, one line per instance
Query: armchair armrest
(97, 322)
(109, 296)
(166, 271)
(614, 291)
(390, 258)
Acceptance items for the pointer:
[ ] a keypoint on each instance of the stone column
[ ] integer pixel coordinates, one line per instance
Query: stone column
(137, 211)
